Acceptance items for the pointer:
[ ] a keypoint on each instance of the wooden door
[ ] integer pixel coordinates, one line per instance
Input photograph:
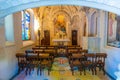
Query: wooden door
(47, 37)
(74, 37)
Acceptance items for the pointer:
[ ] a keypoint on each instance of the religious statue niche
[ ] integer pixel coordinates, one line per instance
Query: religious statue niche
(60, 27)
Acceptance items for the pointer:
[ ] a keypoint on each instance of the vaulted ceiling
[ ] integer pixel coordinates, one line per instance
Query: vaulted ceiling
(56, 10)
(67, 10)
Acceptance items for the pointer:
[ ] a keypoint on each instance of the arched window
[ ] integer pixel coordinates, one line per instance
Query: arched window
(26, 25)
(9, 28)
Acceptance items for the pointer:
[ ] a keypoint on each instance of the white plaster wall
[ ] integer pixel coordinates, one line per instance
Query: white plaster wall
(3, 60)
(8, 62)
(17, 29)
(112, 60)
(2, 45)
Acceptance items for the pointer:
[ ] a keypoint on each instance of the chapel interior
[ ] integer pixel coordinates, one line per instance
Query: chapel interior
(60, 31)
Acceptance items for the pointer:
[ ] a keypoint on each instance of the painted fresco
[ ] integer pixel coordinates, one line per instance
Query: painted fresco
(113, 38)
(60, 27)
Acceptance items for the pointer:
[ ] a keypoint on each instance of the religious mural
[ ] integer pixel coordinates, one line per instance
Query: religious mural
(113, 38)
(60, 27)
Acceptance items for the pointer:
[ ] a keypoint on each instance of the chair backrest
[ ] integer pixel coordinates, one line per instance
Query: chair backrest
(43, 55)
(37, 48)
(83, 51)
(73, 50)
(21, 59)
(101, 57)
(31, 56)
(90, 57)
(20, 56)
(76, 56)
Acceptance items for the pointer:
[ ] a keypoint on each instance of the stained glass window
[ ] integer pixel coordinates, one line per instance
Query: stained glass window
(25, 25)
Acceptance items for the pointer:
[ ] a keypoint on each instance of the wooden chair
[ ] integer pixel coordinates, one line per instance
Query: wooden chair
(37, 48)
(76, 61)
(100, 61)
(32, 61)
(83, 51)
(45, 61)
(89, 62)
(49, 50)
(73, 50)
(61, 51)
(21, 61)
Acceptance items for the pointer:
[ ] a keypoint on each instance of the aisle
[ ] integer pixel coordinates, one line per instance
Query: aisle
(60, 64)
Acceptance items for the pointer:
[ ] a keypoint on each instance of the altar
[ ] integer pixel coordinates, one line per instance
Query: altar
(61, 41)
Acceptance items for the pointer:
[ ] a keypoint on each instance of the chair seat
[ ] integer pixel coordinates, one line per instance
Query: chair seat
(22, 63)
(76, 63)
(87, 62)
(45, 62)
(99, 61)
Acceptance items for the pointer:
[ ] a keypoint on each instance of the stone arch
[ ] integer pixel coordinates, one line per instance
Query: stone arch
(103, 5)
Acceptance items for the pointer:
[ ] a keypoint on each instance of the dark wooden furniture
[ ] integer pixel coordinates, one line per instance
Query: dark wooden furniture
(100, 61)
(74, 37)
(89, 62)
(76, 62)
(83, 51)
(46, 60)
(32, 61)
(21, 61)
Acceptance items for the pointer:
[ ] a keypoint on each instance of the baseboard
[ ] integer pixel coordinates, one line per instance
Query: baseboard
(112, 78)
